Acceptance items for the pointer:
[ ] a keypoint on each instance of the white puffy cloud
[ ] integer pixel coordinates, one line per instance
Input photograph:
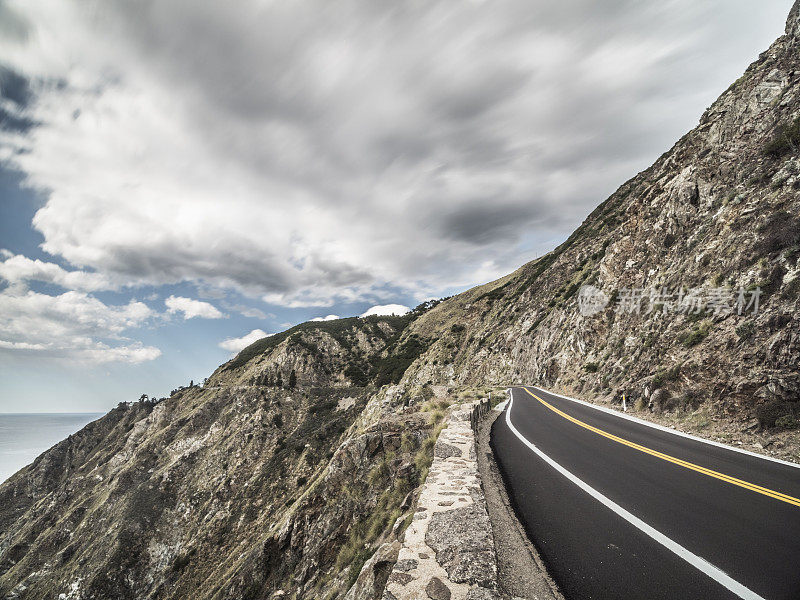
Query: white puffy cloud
(72, 326)
(17, 268)
(327, 318)
(387, 309)
(238, 344)
(192, 308)
(311, 153)
(21, 346)
(133, 353)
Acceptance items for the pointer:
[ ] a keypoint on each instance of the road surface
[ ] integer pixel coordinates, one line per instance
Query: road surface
(622, 509)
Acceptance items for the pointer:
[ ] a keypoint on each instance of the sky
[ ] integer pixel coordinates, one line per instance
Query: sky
(180, 178)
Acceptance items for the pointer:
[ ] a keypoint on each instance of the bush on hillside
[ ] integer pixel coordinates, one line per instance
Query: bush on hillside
(773, 411)
(696, 335)
(786, 140)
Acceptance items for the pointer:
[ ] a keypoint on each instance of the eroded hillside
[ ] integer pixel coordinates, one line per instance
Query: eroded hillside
(718, 211)
(278, 474)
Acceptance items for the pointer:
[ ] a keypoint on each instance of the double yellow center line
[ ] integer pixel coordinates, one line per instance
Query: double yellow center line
(716, 474)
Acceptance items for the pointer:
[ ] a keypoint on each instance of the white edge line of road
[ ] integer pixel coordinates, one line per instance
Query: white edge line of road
(699, 563)
(616, 413)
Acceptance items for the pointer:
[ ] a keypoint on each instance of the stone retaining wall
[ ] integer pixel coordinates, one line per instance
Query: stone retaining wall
(447, 552)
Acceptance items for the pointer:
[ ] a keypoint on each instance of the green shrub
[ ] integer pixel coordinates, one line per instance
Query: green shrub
(694, 317)
(591, 367)
(252, 591)
(786, 140)
(786, 422)
(491, 295)
(436, 405)
(390, 369)
(536, 323)
(746, 330)
(379, 473)
(792, 289)
(570, 290)
(696, 335)
(664, 376)
(357, 374)
(437, 417)
(770, 413)
(408, 443)
(326, 406)
(424, 456)
(357, 549)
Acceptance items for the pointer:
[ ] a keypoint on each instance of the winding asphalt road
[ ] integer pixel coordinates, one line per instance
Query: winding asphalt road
(623, 509)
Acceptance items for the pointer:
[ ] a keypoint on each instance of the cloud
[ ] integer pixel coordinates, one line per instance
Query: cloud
(21, 346)
(238, 344)
(311, 154)
(15, 94)
(72, 326)
(250, 311)
(328, 318)
(14, 87)
(481, 221)
(17, 268)
(387, 309)
(134, 353)
(192, 308)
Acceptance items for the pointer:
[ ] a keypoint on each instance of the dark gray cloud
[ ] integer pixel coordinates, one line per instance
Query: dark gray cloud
(11, 121)
(14, 87)
(15, 94)
(482, 222)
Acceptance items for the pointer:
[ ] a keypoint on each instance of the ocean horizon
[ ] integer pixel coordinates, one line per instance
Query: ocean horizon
(24, 436)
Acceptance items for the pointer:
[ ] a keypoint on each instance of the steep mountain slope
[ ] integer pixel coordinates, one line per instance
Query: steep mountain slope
(273, 476)
(721, 209)
(292, 464)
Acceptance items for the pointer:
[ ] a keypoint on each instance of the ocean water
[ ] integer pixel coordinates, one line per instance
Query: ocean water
(23, 437)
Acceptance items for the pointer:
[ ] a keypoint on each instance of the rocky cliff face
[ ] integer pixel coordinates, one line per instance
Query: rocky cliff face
(719, 211)
(279, 475)
(293, 464)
